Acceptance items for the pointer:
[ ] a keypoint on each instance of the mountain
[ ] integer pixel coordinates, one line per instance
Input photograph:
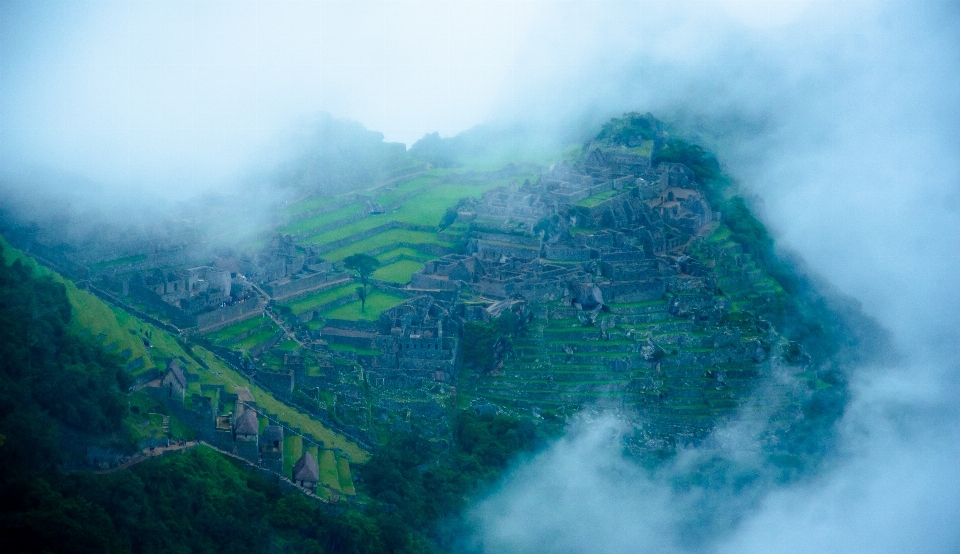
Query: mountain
(504, 298)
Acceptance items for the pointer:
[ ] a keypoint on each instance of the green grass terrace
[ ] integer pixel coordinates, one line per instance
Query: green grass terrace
(314, 301)
(377, 302)
(398, 272)
(390, 237)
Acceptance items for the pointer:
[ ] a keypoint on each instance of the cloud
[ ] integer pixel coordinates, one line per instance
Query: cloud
(179, 96)
(843, 121)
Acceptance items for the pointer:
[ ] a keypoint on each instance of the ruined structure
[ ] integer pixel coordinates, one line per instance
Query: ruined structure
(616, 264)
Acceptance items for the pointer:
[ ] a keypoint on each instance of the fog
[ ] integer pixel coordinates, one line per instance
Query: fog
(841, 119)
(844, 122)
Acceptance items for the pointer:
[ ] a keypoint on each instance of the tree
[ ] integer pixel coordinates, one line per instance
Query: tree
(362, 294)
(363, 264)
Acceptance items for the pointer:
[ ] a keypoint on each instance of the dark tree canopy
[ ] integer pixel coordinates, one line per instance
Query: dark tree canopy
(629, 130)
(50, 378)
(363, 264)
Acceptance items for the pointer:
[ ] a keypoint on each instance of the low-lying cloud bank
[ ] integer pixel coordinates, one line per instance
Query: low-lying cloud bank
(892, 488)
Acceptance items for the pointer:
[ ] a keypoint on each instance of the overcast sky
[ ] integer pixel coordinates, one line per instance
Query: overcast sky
(182, 93)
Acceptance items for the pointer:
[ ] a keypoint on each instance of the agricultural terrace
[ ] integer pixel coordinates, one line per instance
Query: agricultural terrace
(328, 470)
(403, 252)
(119, 261)
(251, 339)
(118, 331)
(398, 272)
(334, 471)
(599, 198)
(346, 479)
(307, 226)
(319, 299)
(424, 208)
(391, 238)
(377, 302)
(292, 450)
(230, 332)
(221, 374)
(310, 203)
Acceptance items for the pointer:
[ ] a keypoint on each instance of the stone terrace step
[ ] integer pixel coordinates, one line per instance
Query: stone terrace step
(544, 397)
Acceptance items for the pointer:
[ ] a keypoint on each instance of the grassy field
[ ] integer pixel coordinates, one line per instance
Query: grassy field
(119, 261)
(116, 330)
(377, 302)
(309, 203)
(403, 251)
(292, 450)
(386, 238)
(318, 299)
(349, 348)
(596, 199)
(221, 374)
(425, 208)
(307, 225)
(288, 345)
(428, 207)
(328, 470)
(229, 332)
(398, 272)
(255, 339)
(115, 326)
(346, 480)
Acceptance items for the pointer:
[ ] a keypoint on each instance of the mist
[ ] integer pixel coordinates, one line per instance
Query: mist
(843, 122)
(841, 119)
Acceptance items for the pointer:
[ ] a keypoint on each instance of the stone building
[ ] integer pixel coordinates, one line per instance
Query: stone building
(174, 380)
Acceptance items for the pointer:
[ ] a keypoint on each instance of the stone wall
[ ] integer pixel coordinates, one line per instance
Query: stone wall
(289, 289)
(221, 317)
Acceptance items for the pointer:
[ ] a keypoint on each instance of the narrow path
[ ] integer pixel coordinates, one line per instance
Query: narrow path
(280, 323)
(148, 453)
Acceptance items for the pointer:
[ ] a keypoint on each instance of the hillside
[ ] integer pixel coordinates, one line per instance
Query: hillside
(502, 299)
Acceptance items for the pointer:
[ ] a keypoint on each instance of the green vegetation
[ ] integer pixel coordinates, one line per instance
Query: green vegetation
(425, 489)
(50, 378)
(305, 226)
(403, 252)
(350, 348)
(391, 237)
(221, 374)
(802, 314)
(343, 474)
(630, 129)
(398, 272)
(425, 208)
(315, 300)
(292, 450)
(598, 199)
(328, 470)
(119, 261)
(363, 264)
(231, 331)
(377, 301)
(195, 502)
(268, 332)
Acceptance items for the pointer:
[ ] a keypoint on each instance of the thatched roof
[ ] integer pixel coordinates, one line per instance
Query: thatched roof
(273, 433)
(247, 423)
(243, 395)
(306, 469)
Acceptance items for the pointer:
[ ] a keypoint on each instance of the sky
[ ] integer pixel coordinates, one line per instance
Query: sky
(841, 119)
